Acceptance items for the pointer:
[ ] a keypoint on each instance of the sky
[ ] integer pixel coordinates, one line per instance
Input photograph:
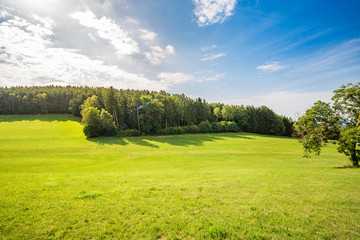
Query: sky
(282, 54)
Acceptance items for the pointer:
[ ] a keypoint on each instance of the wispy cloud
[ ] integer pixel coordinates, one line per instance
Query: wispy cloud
(170, 78)
(215, 77)
(290, 104)
(158, 54)
(213, 56)
(132, 20)
(208, 12)
(206, 48)
(270, 67)
(337, 59)
(109, 30)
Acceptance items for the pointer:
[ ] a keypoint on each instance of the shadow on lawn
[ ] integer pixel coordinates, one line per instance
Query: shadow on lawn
(175, 140)
(347, 166)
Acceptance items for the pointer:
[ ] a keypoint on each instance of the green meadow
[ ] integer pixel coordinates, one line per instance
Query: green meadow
(56, 184)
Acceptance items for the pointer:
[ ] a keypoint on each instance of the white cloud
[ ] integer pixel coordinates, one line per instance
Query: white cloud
(92, 37)
(270, 67)
(212, 78)
(290, 104)
(209, 12)
(27, 57)
(157, 54)
(147, 35)
(212, 56)
(209, 47)
(109, 30)
(131, 20)
(169, 79)
(4, 14)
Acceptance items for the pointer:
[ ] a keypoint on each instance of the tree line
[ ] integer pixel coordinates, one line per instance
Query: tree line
(141, 111)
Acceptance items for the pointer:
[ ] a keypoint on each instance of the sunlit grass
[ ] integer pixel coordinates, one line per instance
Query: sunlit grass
(55, 183)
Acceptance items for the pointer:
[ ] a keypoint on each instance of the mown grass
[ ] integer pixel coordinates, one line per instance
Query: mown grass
(55, 183)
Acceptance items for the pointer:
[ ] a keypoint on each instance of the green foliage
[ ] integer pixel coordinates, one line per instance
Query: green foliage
(216, 127)
(191, 129)
(151, 115)
(227, 113)
(316, 127)
(172, 131)
(289, 126)
(349, 144)
(347, 102)
(217, 112)
(231, 127)
(129, 133)
(96, 123)
(91, 121)
(338, 122)
(92, 101)
(107, 124)
(205, 127)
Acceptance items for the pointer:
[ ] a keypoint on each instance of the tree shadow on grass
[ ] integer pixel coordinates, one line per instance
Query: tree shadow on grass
(122, 141)
(196, 139)
(141, 142)
(108, 141)
(175, 140)
(347, 167)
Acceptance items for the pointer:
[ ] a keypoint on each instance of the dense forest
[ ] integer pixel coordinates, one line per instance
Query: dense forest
(142, 111)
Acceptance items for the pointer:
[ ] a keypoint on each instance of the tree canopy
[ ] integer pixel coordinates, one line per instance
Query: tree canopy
(337, 121)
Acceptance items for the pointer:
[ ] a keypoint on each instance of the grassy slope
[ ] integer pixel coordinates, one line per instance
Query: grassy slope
(55, 183)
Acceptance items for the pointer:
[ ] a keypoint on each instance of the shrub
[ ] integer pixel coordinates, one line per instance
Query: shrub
(232, 127)
(172, 131)
(216, 127)
(130, 133)
(179, 130)
(223, 125)
(205, 127)
(190, 129)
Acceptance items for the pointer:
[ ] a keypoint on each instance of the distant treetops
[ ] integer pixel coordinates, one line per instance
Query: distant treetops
(110, 111)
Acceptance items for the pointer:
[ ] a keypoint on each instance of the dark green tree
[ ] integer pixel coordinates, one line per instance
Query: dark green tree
(338, 122)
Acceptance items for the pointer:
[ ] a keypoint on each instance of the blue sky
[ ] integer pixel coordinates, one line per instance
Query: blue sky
(283, 54)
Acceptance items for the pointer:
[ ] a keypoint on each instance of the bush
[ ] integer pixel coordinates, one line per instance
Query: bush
(167, 131)
(190, 129)
(205, 127)
(179, 130)
(216, 127)
(223, 125)
(232, 127)
(130, 133)
(172, 131)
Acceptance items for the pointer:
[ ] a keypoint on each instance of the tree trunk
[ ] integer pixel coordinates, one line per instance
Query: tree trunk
(138, 120)
(354, 159)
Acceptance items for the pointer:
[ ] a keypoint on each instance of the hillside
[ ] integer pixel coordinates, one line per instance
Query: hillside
(55, 183)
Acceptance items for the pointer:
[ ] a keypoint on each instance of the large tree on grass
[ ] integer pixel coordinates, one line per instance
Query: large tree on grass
(337, 121)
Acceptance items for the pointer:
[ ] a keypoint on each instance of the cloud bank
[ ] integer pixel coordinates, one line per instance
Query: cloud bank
(28, 57)
(208, 12)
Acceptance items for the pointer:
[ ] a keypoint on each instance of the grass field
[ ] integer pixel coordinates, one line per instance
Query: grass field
(57, 184)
